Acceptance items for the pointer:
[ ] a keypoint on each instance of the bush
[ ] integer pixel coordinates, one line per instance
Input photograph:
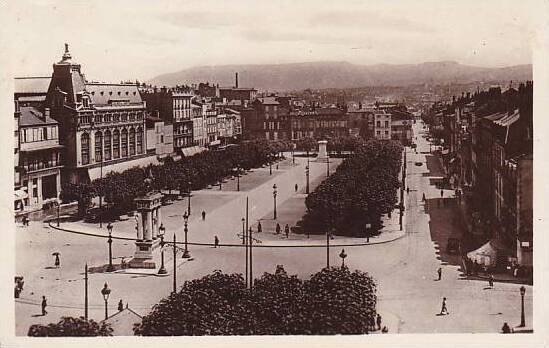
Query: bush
(69, 326)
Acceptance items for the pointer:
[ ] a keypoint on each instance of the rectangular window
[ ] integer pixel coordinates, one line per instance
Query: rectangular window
(386, 124)
(378, 124)
(116, 145)
(45, 131)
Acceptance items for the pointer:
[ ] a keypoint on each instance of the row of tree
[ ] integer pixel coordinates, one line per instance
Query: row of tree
(363, 188)
(195, 172)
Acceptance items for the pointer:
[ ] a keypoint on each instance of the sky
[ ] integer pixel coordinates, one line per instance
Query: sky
(138, 39)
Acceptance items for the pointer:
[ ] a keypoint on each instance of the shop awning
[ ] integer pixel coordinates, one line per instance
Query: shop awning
(485, 255)
(20, 195)
(191, 151)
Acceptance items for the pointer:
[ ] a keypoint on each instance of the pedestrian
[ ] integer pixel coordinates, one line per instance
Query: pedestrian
(439, 271)
(423, 198)
(277, 167)
(407, 189)
(44, 305)
(385, 330)
(491, 280)
(259, 228)
(444, 309)
(203, 215)
(378, 321)
(372, 324)
(216, 242)
(57, 261)
(277, 228)
(505, 328)
(287, 231)
(295, 187)
(120, 306)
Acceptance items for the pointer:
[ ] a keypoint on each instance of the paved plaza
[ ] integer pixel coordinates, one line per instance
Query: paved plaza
(404, 263)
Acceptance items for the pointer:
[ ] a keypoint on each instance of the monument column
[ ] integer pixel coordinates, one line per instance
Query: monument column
(147, 223)
(154, 230)
(322, 153)
(158, 218)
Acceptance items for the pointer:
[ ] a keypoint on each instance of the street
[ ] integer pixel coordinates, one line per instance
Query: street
(405, 269)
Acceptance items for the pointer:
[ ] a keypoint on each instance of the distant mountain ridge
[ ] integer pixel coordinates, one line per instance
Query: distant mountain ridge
(317, 75)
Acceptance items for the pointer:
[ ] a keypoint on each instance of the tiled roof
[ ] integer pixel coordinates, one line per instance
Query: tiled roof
(31, 116)
(32, 85)
(102, 93)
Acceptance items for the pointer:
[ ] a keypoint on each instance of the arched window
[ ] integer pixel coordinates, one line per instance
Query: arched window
(85, 148)
(132, 142)
(124, 143)
(139, 140)
(98, 146)
(107, 145)
(116, 144)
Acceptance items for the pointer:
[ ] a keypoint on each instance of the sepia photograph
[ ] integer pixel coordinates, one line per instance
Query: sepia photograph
(209, 168)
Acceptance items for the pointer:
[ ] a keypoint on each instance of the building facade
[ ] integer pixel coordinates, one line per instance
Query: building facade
(101, 125)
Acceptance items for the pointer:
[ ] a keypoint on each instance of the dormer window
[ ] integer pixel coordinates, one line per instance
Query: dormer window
(85, 102)
(127, 93)
(119, 92)
(110, 93)
(101, 92)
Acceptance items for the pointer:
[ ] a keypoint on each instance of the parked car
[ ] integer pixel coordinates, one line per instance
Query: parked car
(453, 246)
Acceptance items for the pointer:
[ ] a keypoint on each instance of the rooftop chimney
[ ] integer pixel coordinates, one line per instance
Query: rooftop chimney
(236, 80)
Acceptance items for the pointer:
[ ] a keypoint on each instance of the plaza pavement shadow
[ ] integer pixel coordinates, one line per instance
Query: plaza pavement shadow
(442, 226)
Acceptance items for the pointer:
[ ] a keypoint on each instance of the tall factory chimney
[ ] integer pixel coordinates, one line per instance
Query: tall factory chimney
(236, 80)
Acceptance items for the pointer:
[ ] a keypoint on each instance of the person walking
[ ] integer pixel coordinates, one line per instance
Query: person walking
(259, 228)
(491, 280)
(439, 271)
(505, 328)
(277, 228)
(423, 197)
(295, 187)
(444, 309)
(442, 196)
(57, 261)
(120, 306)
(287, 231)
(203, 215)
(407, 189)
(216, 242)
(44, 305)
(378, 321)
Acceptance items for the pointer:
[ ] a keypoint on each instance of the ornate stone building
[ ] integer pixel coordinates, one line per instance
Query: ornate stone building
(101, 125)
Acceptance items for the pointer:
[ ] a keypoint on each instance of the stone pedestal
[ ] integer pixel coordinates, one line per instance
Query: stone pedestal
(322, 152)
(148, 221)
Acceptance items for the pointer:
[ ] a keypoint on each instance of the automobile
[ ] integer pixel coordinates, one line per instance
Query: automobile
(419, 164)
(453, 246)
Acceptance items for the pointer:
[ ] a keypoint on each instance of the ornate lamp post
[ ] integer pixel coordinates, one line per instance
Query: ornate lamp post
(110, 267)
(307, 175)
(343, 255)
(238, 178)
(161, 230)
(274, 197)
(328, 236)
(293, 153)
(186, 253)
(270, 168)
(106, 292)
(189, 202)
(368, 231)
(522, 292)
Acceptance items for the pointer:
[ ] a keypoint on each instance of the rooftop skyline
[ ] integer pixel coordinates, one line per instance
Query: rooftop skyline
(130, 40)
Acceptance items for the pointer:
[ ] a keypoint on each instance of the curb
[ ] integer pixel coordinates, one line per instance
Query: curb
(237, 245)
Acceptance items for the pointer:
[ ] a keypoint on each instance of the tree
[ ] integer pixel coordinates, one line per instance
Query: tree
(70, 326)
(333, 301)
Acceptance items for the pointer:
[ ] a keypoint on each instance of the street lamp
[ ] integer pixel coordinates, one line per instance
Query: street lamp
(110, 267)
(243, 231)
(293, 153)
(522, 292)
(57, 205)
(106, 292)
(274, 197)
(368, 227)
(189, 203)
(307, 175)
(343, 255)
(186, 253)
(238, 178)
(161, 231)
(270, 168)
(328, 237)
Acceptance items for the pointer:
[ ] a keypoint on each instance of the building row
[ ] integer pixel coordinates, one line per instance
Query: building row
(488, 153)
(69, 129)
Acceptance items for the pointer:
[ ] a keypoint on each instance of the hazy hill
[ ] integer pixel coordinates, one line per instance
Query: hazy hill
(296, 76)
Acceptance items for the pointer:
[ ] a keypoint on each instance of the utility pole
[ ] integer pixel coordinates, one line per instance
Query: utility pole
(174, 265)
(251, 244)
(86, 292)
